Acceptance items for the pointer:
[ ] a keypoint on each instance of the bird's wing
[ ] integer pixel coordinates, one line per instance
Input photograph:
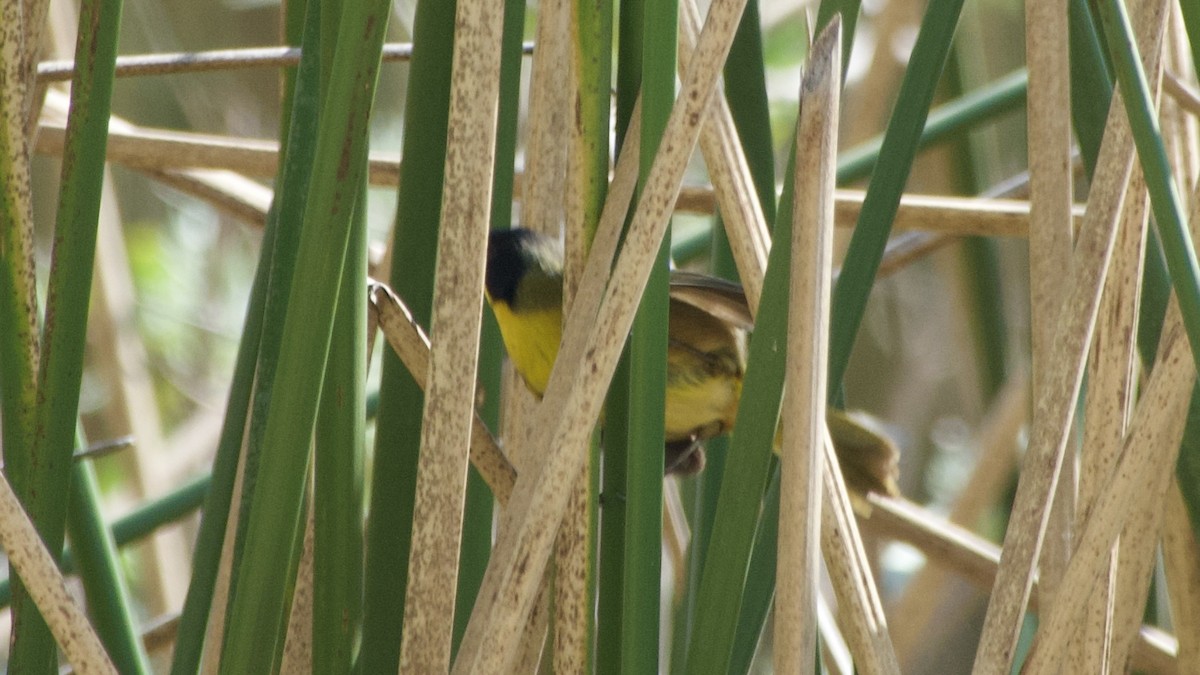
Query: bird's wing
(723, 299)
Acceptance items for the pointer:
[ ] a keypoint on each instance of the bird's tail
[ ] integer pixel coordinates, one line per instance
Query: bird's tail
(869, 459)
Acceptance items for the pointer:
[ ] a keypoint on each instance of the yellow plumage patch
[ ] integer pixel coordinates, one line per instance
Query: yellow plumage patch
(532, 342)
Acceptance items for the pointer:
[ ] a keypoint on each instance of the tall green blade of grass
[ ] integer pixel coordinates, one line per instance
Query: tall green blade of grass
(592, 42)
(65, 327)
(338, 466)
(398, 430)
(288, 207)
(887, 183)
(307, 92)
(1091, 86)
(261, 597)
(209, 540)
(746, 94)
(611, 566)
(719, 598)
(746, 91)
(760, 580)
(617, 433)
(594, 53)
(339, 442)
(96, 554)
(648, 363)
(700, 498)
(476, 544)
(300, 105)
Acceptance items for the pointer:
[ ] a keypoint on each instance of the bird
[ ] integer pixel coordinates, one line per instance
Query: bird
(708, 325)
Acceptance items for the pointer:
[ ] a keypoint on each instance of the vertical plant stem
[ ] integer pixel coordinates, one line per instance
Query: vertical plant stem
(414, 249)
(96, 554)
(338, 466)
(798, 569)
(479, 504)
(615, 478)
(18, 293)
(61, 366)
(1048, 438)
(262, 594)
(217, 503)
(719, 597)
(291, 199)
(454, 337)
(1051, 200)
(587, 186)
(648, 365)
(887, 183)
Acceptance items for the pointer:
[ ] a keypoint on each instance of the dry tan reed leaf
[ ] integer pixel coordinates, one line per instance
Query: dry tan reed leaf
(139, 65)
(297, 645)
(1146, 464)
(1154, 652)
(160, 150)
(1055, 405)
(749, 236)
(798, 569)
(1111, 389)
(29, 558)
(1181, 560)
(860, 613)
(410, 344)
(1135, 552)
(533, 639)
(544, 184)
(592, 341)
(975, 560)
(1049, 134)
(544, 181)
(454, 346)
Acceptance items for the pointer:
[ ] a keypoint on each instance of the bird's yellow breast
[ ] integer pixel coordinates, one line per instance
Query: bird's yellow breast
(532, 342)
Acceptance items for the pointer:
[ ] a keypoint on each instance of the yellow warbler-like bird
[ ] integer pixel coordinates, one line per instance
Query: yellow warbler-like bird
(706, 355)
